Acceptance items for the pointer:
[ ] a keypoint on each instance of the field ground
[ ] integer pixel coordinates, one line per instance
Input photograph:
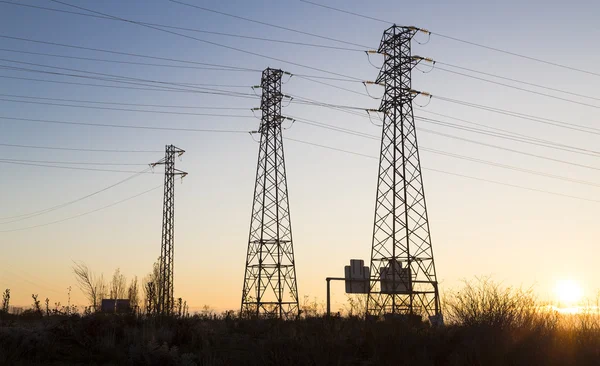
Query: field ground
(102, 339)
(486, 324)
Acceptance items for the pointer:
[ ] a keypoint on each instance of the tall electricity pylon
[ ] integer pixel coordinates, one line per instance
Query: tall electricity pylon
(403, 278)
(167, 249)
(270, 288)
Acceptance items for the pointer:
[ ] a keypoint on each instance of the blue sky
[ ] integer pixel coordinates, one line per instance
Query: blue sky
(478, 228)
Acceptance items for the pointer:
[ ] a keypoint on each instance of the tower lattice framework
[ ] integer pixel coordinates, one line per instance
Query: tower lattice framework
(166, 261)
(403, 277)
(270, 288)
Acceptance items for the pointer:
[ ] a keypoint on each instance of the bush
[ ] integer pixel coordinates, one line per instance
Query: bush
(484, 303)
(488, 325)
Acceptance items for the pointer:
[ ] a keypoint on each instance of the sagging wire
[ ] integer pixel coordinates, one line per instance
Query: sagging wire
(423, 31)
(426, 72)
(181, 174)
(369, 58)
(290, 77)
(371, 119)
(254, 114)
(427, 59)
(290, 100)
(425, 94)
(252, 133)
(365, 83)
(254, 89)
(334, 86)
(289, 119)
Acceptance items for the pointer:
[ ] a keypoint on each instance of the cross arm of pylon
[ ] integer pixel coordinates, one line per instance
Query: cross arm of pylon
(427, 59)
(421, 30)
(180, 172)
(417, 92)
(160, 162)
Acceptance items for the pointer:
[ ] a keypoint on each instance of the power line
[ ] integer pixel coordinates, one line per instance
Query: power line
(120, 78)
(124, 109)
(556, 64)
(85, 213)
(23, 278)
(333, 86)
(423, 110)
(513, 185)
(122, 126)
(302, 100)
(127, 104)
(159, 89)
(508, 149)
(518, 88)
(134, 63)
(517, 55)
(520, 138)
(333, 128)
(195, 30)
(531, 141)
(529, 117)
(2, 161)
(531, 138)
(56, 207)
(348, 12)
(70, 162)
(516, 80)
(510, 167)
(218, 67)
(114, 78)
(353, 80)
(452, 173)
(331, 148)
(506, 134)
(209, 42)
(268, 24)
(440, 152)
(122, 81)
(78, 149)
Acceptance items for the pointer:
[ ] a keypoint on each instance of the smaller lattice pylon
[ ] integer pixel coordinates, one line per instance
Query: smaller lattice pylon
(166, 265)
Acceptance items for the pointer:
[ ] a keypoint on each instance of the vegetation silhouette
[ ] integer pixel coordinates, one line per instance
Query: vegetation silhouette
(487, 324)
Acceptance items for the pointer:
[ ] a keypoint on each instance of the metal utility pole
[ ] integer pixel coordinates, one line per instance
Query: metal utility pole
(270, 288)
(166, 266)
(403, 278)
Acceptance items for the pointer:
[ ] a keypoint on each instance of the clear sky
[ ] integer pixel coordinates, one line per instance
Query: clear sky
(517, 236)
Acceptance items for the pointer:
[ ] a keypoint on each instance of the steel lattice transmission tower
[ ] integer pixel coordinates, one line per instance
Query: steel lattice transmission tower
(166, 265)
(403, 278)
(270, 288)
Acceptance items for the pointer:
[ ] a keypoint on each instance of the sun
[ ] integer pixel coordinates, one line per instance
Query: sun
(568, 292)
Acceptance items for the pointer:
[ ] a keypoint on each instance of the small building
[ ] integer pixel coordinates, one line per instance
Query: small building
(119, 306)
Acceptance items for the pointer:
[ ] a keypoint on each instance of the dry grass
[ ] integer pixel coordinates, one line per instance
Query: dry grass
(488, 325)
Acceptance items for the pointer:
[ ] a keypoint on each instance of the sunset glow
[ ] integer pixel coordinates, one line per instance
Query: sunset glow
(568, 292)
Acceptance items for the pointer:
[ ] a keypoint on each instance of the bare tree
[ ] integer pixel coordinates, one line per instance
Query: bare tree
(101, 289)
(5, 300)
(92, 287)
(133, 293)
(36, 304)
(150, 298)
(118, 285)
(151, 288)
